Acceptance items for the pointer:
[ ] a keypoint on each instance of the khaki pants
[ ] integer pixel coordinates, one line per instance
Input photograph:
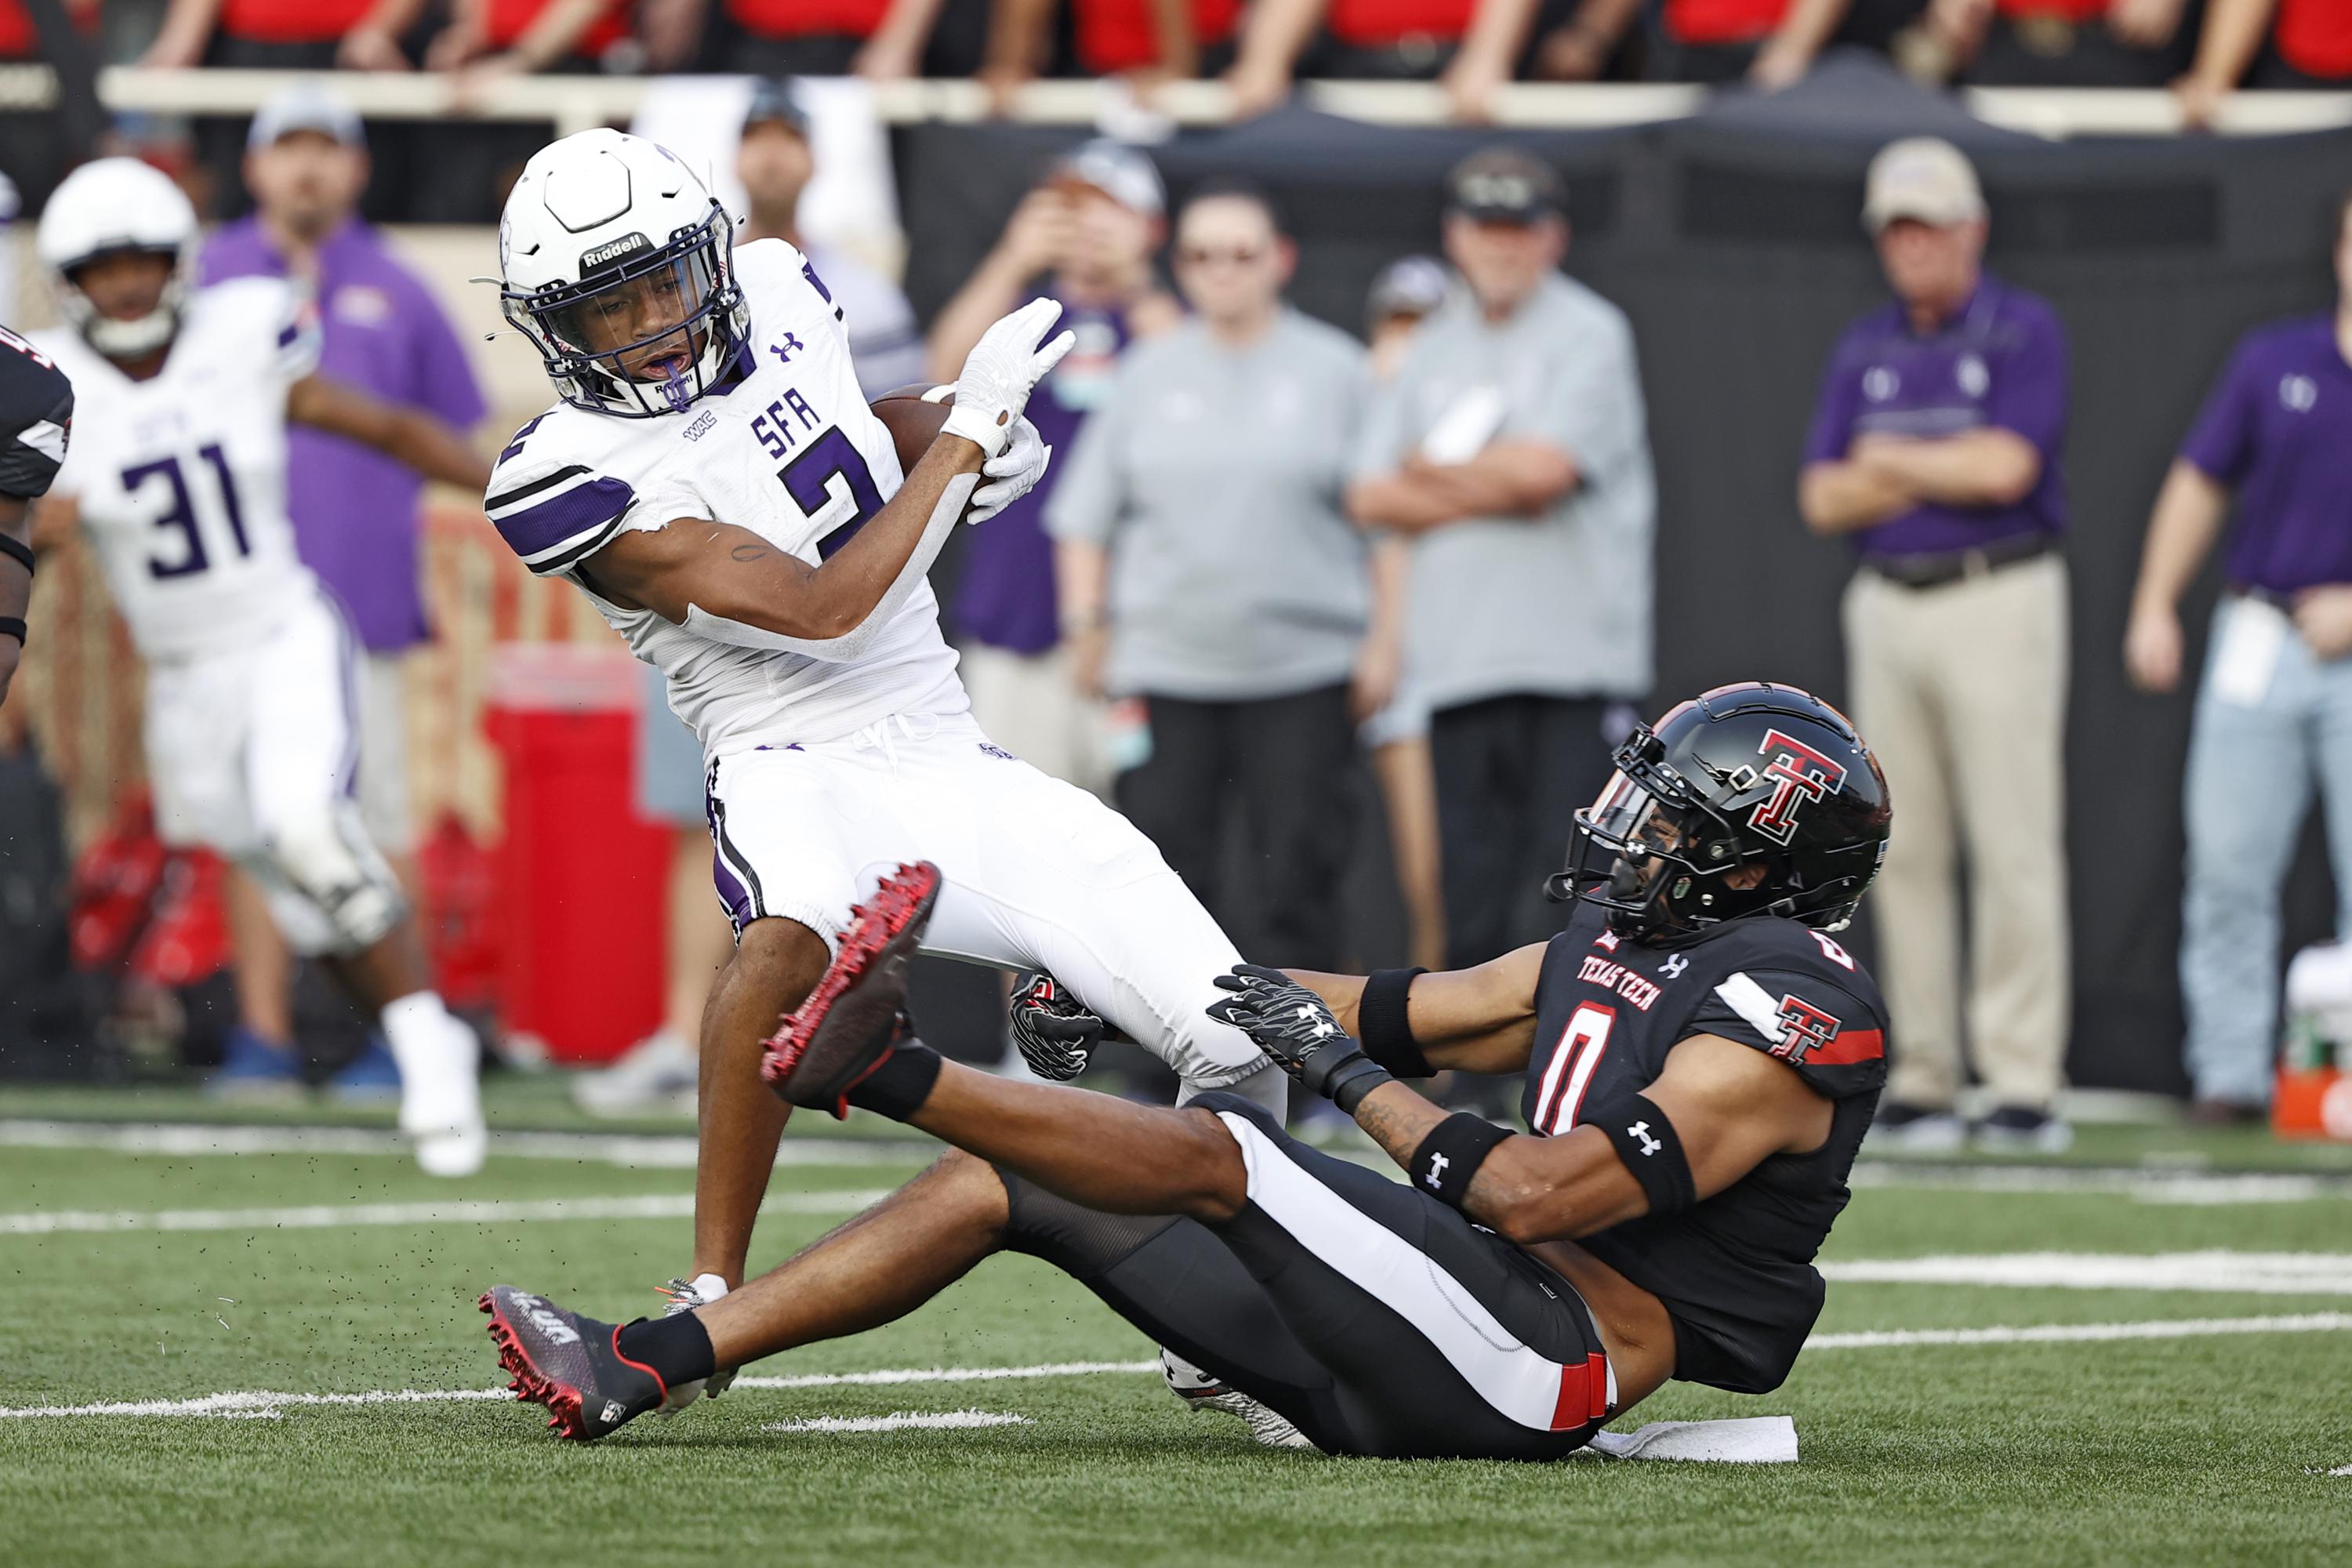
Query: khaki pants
(1961, 691)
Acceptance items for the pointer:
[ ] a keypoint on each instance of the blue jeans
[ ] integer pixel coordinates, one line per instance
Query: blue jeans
(2252, 770)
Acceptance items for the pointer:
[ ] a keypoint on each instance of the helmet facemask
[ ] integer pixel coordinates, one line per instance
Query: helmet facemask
(647, 331)
(1651, 852)
(123, 340)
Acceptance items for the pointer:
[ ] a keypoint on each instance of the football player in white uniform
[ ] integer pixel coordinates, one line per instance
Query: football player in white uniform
(712, 478)
(178, 475)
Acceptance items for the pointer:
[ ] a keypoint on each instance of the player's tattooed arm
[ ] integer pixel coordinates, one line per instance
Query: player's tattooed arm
(1481, 1019)
(730, 574)
(408, 435)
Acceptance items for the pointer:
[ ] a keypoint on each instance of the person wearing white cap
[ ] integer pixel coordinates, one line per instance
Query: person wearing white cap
(1935, 447)
(1031, 642)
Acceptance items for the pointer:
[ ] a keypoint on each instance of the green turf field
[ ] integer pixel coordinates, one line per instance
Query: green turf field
(316, 1263)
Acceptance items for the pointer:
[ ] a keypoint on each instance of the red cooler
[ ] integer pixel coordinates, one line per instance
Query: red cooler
(581, 876)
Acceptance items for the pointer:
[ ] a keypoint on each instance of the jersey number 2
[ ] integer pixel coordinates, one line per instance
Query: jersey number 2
(1569, 1072)
(809, 480)
(181, 513)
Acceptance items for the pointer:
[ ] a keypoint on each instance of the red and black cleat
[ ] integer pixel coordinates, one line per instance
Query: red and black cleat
(571, 1364)
(849, 1023)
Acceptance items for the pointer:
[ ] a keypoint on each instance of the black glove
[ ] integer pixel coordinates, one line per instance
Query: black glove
(1052, 1029)
(1291, 1024)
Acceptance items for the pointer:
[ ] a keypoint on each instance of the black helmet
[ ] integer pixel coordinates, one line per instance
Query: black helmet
(1750, 775)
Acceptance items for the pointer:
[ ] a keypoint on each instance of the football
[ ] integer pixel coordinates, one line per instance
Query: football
(913, 423)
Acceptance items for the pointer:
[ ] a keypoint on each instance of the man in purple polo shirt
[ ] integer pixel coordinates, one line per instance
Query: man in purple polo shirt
(1935, 447)
(355, 510)
(2274, 708)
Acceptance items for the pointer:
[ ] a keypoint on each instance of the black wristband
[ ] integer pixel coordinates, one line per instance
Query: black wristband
(1646, 1142)
(1382, 1027)
(12, 545)
(1352, 1082)
(1451, 1154)
(13, 626)
(900, 1082)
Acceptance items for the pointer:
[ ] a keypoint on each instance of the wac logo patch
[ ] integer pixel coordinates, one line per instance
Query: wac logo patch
(1800, 774)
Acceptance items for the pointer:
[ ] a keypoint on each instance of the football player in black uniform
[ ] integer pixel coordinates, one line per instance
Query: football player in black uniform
(1702, 1058)
(36, 411)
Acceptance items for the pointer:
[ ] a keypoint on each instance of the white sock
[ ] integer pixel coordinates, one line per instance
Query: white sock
(440, 1061)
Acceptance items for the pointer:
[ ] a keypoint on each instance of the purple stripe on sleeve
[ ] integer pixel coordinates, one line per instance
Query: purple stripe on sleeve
(566, 518)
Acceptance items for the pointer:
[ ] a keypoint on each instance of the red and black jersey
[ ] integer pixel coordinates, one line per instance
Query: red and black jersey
(35, 413)
(1736, 1270)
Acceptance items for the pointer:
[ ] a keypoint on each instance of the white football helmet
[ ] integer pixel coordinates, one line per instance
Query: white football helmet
(618, 263)
(103, 208)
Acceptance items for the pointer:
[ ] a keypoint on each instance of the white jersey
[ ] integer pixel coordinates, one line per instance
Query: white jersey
(182, 478)
(787, 450)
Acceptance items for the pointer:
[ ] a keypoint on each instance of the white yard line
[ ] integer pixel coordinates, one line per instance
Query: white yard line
(631, 1149)
(900, 1421)
(2192, 1189)
(2230, 1273)
(451, 1211)
(2084, 1333)
(255, 1403)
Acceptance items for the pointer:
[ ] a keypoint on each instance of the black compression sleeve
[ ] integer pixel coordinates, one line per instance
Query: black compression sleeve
(1645, 1141)
(1382, 1027)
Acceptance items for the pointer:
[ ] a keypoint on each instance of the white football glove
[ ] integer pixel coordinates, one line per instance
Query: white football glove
(685, 1295)
(1000, 372)
(1012, 474)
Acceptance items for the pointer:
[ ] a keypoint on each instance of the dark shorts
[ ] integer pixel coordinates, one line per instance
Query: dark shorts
(1376, 1319)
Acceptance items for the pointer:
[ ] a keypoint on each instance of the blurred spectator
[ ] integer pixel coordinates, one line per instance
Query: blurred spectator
(775, 165)
(1405, 293)
(1936, 447)
(2050, 43)
(658, 1072)
(1511, 449)
(487, 41)
(355, 510)
(1472, 44)
(262, 35)
(2310, 47)
(1198, 526)
(2274, 708)
(1805, 29)
(1147, 40)
(1089, 232)
(879, 38)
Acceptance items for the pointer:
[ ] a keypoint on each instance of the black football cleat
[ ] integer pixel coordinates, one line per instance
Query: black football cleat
(854, 1018)
(571, 1364)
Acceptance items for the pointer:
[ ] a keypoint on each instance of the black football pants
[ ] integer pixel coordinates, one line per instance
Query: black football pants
(1379, 1321)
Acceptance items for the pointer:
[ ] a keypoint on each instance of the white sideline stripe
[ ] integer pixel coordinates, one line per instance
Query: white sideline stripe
(900, 1421)
(2084, 1333)
(254, 1401)
(454, 1211)
(632, 1150)
(2231, 1273)
(2194, 1189)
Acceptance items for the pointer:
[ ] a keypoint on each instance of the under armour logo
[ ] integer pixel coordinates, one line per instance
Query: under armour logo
(1437, 1164)
(785, 349)
(1307, 1012)
(1673, 967)
(1639, 1130)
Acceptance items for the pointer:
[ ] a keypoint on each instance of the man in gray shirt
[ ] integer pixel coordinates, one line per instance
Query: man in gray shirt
(1511, 448)
(1210, 578)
